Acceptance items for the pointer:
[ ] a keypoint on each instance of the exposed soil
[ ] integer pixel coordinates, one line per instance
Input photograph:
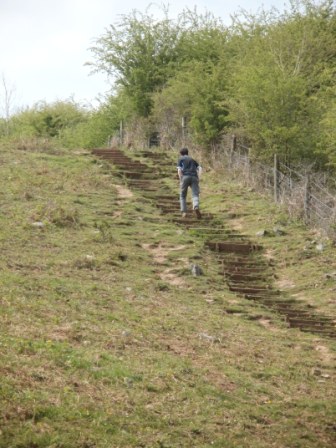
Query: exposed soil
(123, 192)
(159, 254)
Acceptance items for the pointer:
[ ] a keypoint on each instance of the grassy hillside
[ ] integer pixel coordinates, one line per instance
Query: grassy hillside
(108, 340)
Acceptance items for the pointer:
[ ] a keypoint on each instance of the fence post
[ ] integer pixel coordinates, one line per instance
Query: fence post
(249, 164)
(307, 200)
(233, 143)
(121, 132)
(276, 178)
(232, 150)
(184, 126)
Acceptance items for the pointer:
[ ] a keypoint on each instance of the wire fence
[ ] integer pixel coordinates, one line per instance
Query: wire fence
(299, 192)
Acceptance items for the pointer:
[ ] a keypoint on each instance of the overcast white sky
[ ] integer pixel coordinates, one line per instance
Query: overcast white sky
(44, 43)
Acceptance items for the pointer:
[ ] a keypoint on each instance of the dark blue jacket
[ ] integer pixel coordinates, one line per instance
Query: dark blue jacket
(188, 166)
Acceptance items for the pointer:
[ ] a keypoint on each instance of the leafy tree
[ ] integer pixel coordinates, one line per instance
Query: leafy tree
(202, 37)
(269, 76)
(196, 93)
(197, 89)
(105, 121)
(140, 53)
(280, 70)
(326, 147)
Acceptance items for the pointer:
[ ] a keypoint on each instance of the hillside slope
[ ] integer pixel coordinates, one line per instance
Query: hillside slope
(109, 340)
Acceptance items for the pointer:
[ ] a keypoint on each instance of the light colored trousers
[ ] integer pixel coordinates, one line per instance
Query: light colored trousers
(193, 182)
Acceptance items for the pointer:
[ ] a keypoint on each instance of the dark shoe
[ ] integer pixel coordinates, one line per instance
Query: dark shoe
(198, 213)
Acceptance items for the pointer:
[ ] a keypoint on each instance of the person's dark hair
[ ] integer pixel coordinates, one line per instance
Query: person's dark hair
(184, 152)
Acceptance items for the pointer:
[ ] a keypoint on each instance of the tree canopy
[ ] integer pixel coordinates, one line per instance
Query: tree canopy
(267, 77)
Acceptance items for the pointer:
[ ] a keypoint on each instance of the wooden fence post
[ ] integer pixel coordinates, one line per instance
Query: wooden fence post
(276, 178)
(233, 143)
(121, 132)
(233, 148)
(307, 199)
(249, 164)
(184, 126)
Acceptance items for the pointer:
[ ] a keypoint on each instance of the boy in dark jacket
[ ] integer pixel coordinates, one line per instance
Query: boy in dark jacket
(188, 171)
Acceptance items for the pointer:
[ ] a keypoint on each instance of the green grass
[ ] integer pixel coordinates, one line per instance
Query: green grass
(97, 350)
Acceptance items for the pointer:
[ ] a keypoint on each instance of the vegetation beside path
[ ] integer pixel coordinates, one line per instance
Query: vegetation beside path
(108, 340)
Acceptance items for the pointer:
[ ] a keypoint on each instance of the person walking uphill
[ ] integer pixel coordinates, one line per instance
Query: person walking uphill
(189, 171)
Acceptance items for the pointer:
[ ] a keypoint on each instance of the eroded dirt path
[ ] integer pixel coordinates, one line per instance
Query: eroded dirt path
(160, 253)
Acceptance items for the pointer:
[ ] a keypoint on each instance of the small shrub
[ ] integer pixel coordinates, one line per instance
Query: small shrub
(105, 234)
(63, 217)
